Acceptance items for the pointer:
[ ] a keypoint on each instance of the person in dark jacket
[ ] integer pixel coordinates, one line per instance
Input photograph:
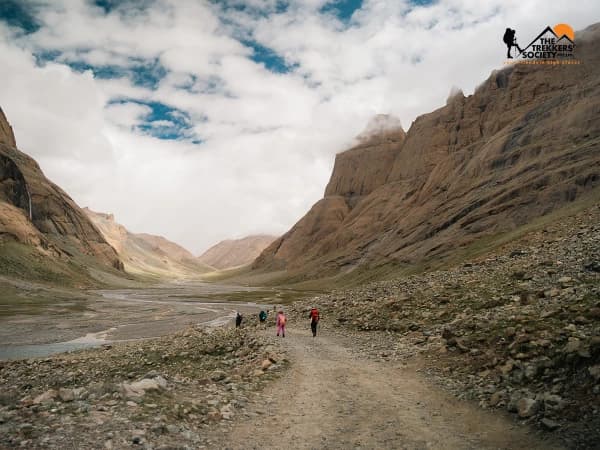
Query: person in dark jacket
(238, 320)
(262, 316)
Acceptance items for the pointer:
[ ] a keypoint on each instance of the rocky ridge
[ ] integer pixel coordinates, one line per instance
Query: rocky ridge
(518, 329)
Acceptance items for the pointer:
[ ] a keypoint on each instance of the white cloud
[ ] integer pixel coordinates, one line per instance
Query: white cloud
(269, 138)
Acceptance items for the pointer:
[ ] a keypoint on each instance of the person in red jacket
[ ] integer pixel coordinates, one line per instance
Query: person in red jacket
(281, 320)
(314, 320)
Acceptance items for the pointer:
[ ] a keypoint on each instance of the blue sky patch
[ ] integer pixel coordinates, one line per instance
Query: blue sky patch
(164, 121)
(423, 2)
(342, 9)
(106, 5)
(242, 6)
(264, 55)
(19, 14)
(109, 6)
(142, 73)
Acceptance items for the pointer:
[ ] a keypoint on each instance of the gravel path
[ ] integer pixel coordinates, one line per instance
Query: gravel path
(332, 398)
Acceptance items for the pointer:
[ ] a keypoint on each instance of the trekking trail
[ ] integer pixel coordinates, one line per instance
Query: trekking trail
(332, 398)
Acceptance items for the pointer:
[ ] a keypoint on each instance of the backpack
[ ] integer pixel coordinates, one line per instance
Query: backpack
(282, 319)
(509, 36)
(314, 314)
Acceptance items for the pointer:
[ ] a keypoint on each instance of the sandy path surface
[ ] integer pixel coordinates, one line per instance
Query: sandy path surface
(331, 398)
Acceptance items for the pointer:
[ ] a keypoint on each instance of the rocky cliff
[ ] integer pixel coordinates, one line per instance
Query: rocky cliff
(6, 133)
(146, 253)
(235, 252)
(526, 143)
(37, 213)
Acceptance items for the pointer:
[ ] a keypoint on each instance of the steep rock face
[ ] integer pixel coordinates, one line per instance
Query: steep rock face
(37, 212)
(6, 133)
(525, 143)
(145, 253)
(114, 233)
(235, 252)
(359, 171)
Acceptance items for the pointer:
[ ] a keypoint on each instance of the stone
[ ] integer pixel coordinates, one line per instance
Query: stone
(26, 428)
(66, 395)
(549, 424)
(595, 372)
(550, 293)
(496, 398)
(552, 402)
(447, 334)
(572, 346)
(266, 364)
(507, 367)
(214, 416)
(527, 407)
(47, 397)
(592, 265)
(226, 412)
(139, 388)
(218, 375)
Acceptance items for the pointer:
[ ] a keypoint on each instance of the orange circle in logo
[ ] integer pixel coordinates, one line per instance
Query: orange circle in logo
(562, 29)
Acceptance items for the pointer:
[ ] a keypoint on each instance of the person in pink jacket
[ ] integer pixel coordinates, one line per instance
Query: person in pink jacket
(281, 320)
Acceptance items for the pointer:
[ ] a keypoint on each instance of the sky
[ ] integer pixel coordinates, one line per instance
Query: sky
(202, 120)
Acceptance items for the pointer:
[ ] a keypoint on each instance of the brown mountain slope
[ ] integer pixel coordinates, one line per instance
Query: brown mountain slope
(235, 252)
(524, 144)
(175, 251)
(145, 253)
(39, 215)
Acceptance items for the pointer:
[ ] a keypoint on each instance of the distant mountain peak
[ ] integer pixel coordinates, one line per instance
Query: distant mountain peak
(236, 252)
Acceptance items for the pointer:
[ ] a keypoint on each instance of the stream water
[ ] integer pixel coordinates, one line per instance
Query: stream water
(132, 314)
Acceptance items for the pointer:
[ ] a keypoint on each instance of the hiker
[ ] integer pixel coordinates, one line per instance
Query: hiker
(262, 316)
(238, 319)
(281, 320)
(510, 41)
(314, 320)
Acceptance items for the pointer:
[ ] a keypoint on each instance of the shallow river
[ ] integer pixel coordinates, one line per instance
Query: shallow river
(109, 316)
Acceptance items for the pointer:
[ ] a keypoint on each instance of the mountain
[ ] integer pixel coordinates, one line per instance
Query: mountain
(146, 253)
(526, 143)
(43, 233)
(235, 252)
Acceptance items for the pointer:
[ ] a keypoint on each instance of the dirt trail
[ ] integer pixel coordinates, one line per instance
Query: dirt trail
(333, 399)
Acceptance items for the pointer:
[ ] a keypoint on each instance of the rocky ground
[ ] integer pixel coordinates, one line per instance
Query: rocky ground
(159, 393)
(519, 330)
